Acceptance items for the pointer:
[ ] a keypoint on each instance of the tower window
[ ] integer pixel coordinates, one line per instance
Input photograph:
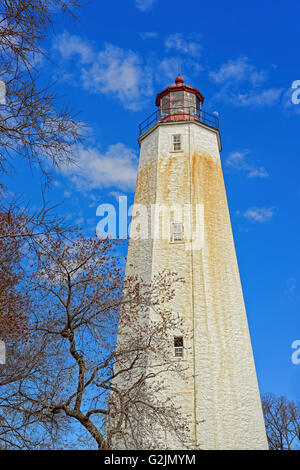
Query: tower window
(178, 346)
(176, 232)
(176, 142)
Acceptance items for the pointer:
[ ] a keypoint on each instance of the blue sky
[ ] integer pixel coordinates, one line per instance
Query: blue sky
(243, 57)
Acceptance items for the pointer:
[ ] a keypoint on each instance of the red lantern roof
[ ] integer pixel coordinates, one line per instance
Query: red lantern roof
(179, 86)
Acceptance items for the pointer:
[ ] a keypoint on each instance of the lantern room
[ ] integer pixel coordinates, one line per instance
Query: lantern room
(179, 101)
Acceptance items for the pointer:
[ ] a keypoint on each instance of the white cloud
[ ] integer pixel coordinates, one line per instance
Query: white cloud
(92, 170)
(259, 214)
(111, 71)
(67, 193)
(264, 98)
(167, 68)
(123, 74)
(291, 284)
(241, 84)
(290, 288)
(79, 221)
(120, 72)
(237, 161)
(95, 199)
(149, 35)
(184, 44)
(237, 71)
(73, 45)
(259, 172)
(144, 5)
(116, 195)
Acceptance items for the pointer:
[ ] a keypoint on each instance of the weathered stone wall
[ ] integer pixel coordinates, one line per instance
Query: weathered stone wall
(218, 391)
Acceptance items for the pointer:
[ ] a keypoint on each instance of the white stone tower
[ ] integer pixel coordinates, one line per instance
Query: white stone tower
(180, 166)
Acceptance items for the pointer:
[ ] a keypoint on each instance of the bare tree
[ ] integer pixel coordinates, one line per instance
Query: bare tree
(79, 293)
(32, 126)
(63, 366)
(35, 125)
(282, 418)
(19, 231)
(12, 303)
(15, 309)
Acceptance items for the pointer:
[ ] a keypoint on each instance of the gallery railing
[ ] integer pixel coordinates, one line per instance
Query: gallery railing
(181, 113)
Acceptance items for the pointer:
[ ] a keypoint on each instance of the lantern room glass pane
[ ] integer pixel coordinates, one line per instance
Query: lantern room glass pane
(189, 102)
(165, 104)
(177, 102)
(198, 106)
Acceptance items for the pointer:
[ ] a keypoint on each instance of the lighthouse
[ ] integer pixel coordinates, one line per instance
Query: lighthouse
(180, 170)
